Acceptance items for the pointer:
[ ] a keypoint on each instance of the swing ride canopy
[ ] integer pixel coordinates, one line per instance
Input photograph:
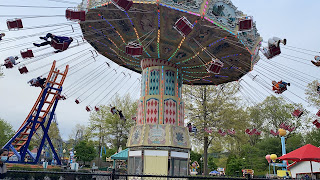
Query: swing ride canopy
(150, 23)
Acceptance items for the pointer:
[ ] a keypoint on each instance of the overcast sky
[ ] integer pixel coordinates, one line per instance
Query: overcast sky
(298, 21)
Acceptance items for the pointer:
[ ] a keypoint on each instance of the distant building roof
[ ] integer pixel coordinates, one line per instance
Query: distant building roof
(122, 155)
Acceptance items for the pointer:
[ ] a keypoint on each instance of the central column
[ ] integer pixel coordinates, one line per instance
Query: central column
(159, 142)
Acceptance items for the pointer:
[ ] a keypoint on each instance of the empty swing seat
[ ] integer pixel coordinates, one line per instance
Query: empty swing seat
(318, 113)
(23, 70)
(215, 67)
(297, 113)
(316, 123)
(97, 108)
(88, 108)
(27, 54)
(59, 46)
(183, 26)
(245, 23)
(124, 5)
(8, 64)
(134, 49)
(75, 15)
(14, 24)
(77, 101)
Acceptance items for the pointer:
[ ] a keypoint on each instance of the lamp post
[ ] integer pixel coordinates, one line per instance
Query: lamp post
(282, 134)
(273, 157)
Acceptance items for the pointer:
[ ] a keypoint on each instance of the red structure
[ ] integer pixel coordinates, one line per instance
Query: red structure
(75, 15)
(281, 90)
(14, 24)
(274, 51)
(316, 123)
(245, 23)
(183, 26)
(88, 108)
(23, 69)
(27, 54)
(124, 5)
(77, 101)
(59, 46)
(297, 113)
(318, 113)
(134, 49)
(8, 64)
(215, 66)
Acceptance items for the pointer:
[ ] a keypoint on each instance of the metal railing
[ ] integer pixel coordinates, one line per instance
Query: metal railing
(102, 175)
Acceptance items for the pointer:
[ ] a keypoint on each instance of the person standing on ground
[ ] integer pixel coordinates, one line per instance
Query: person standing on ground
(3, 167)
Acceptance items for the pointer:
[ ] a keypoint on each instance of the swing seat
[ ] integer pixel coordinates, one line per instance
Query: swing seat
(318, 113)
(75, 15)
(231, 132)
(134, 49)
(8, 64)
(281, 90)
(88, 109)
(253, 132)
(297, 113)
(247, 131)
(113, 110)
(222, 133)
(59, 46)
(14, 24)
(123, 5)
(273, 51)
(77, 101)
(258, 133)
(245, 23)
(96, 108)
(27, 54)
(274, 133)
(23, 69)
(215, 67)
(316, 123)
(61, 97)
(183, 26)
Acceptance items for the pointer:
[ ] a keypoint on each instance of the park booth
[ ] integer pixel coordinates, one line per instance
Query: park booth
(120, 158)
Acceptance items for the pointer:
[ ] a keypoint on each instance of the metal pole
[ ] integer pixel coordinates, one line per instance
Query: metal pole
(274, 169)
(311, 170)
(283, 145)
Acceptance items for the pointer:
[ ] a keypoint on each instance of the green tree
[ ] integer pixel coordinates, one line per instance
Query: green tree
(234, 165)
(6, 132)
(85, 151)
(211, 164)
(313, 137)
(109, 128)
(312, 94)
(53, 133)
(109, 152)
(215, 107)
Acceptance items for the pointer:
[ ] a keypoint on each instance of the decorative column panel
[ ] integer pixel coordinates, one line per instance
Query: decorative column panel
(160, 108)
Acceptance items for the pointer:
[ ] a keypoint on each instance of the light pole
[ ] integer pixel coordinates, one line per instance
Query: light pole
(273, 157)
(282, 133)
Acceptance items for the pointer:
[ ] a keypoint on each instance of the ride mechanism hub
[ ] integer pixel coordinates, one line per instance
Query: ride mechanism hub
(170, 42)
